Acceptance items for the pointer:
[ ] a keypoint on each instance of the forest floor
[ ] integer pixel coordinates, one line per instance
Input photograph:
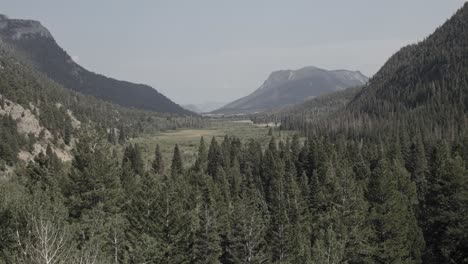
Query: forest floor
(189, 139)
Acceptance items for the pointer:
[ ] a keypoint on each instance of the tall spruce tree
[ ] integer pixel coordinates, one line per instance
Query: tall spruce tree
(215, 159)
(177, 167)
(158, 163)
(445, 222)
(392, 219)
(207, 241)
(202, 159)
(249, 226)
(143, 238)
(94, 194)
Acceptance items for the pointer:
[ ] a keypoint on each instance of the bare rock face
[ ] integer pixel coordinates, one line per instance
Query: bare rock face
(28, 124)
(19, 28)
(26, 121)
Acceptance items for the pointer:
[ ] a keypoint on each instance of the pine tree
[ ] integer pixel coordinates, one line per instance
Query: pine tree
(172, 226)
(158, 162)
(133, 156)
(225, 150)
(391, 218)
(419, 169)
(328, 248)
(235, 179)
(298, 234)
(142, 214)
(215, 159)
(445, 222)
(67, 133)
(280, 223)
(207, 241)
(202, 159)
(249, 227)
(94, 193)
(132, 168)
(177, 167)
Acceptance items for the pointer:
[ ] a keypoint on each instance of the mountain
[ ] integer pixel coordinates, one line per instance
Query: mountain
(433, 71)
(287, 87)
(423, 88)
(203, 107)
(34, 43)
(37, 114)
(413, 111)
(193, 107)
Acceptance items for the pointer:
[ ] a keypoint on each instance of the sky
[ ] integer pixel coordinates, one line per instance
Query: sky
(218, 50)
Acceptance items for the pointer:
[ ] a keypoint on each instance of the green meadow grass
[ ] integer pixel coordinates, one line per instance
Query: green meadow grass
(189, 139)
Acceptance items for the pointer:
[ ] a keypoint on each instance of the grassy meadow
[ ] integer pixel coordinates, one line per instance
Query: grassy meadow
(188, 140)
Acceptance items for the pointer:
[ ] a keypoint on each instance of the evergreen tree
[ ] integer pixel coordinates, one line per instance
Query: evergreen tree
(249, 227)
(419, 169)
(158, 162)
(94, 194)
(177, 167)
(67, 133)
(133, 156)
(202, 160)
(328, 248)
(172, 226)
(207, 242)
(215, 159)
(143, 237)
(391, 219)
(445, 222)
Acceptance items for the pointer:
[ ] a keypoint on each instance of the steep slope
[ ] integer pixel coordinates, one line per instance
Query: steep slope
(36, 112)
(316, 108)
(289, 87)
(33, 42)
(423, 88)
(432, 73)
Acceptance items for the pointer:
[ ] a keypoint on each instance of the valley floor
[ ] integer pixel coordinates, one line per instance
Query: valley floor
(189, 139)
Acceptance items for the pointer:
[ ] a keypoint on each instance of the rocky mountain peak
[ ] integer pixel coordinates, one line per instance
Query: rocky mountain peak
(288, 87)
(19, 28)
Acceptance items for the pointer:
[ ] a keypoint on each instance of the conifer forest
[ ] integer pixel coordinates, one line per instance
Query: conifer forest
(374, 173)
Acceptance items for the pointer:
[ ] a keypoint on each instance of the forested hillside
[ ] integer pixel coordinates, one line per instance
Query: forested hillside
(53, 110)
(33, 43)
(299, 116)
(376, 174)
(422, 87)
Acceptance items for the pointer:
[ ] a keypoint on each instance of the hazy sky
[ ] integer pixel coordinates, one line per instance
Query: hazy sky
(198, 50)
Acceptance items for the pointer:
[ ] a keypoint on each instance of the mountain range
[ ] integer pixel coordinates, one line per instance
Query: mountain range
(423, 86)
(32, 42)
(204, 107)
(288, 87)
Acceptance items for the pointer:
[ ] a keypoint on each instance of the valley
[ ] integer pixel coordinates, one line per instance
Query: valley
(189, 139)
(314, 167)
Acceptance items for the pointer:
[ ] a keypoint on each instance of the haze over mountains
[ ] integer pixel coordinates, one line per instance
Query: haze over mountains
(34, 43)
(374, 173)
(288, 87)
(203, 107)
